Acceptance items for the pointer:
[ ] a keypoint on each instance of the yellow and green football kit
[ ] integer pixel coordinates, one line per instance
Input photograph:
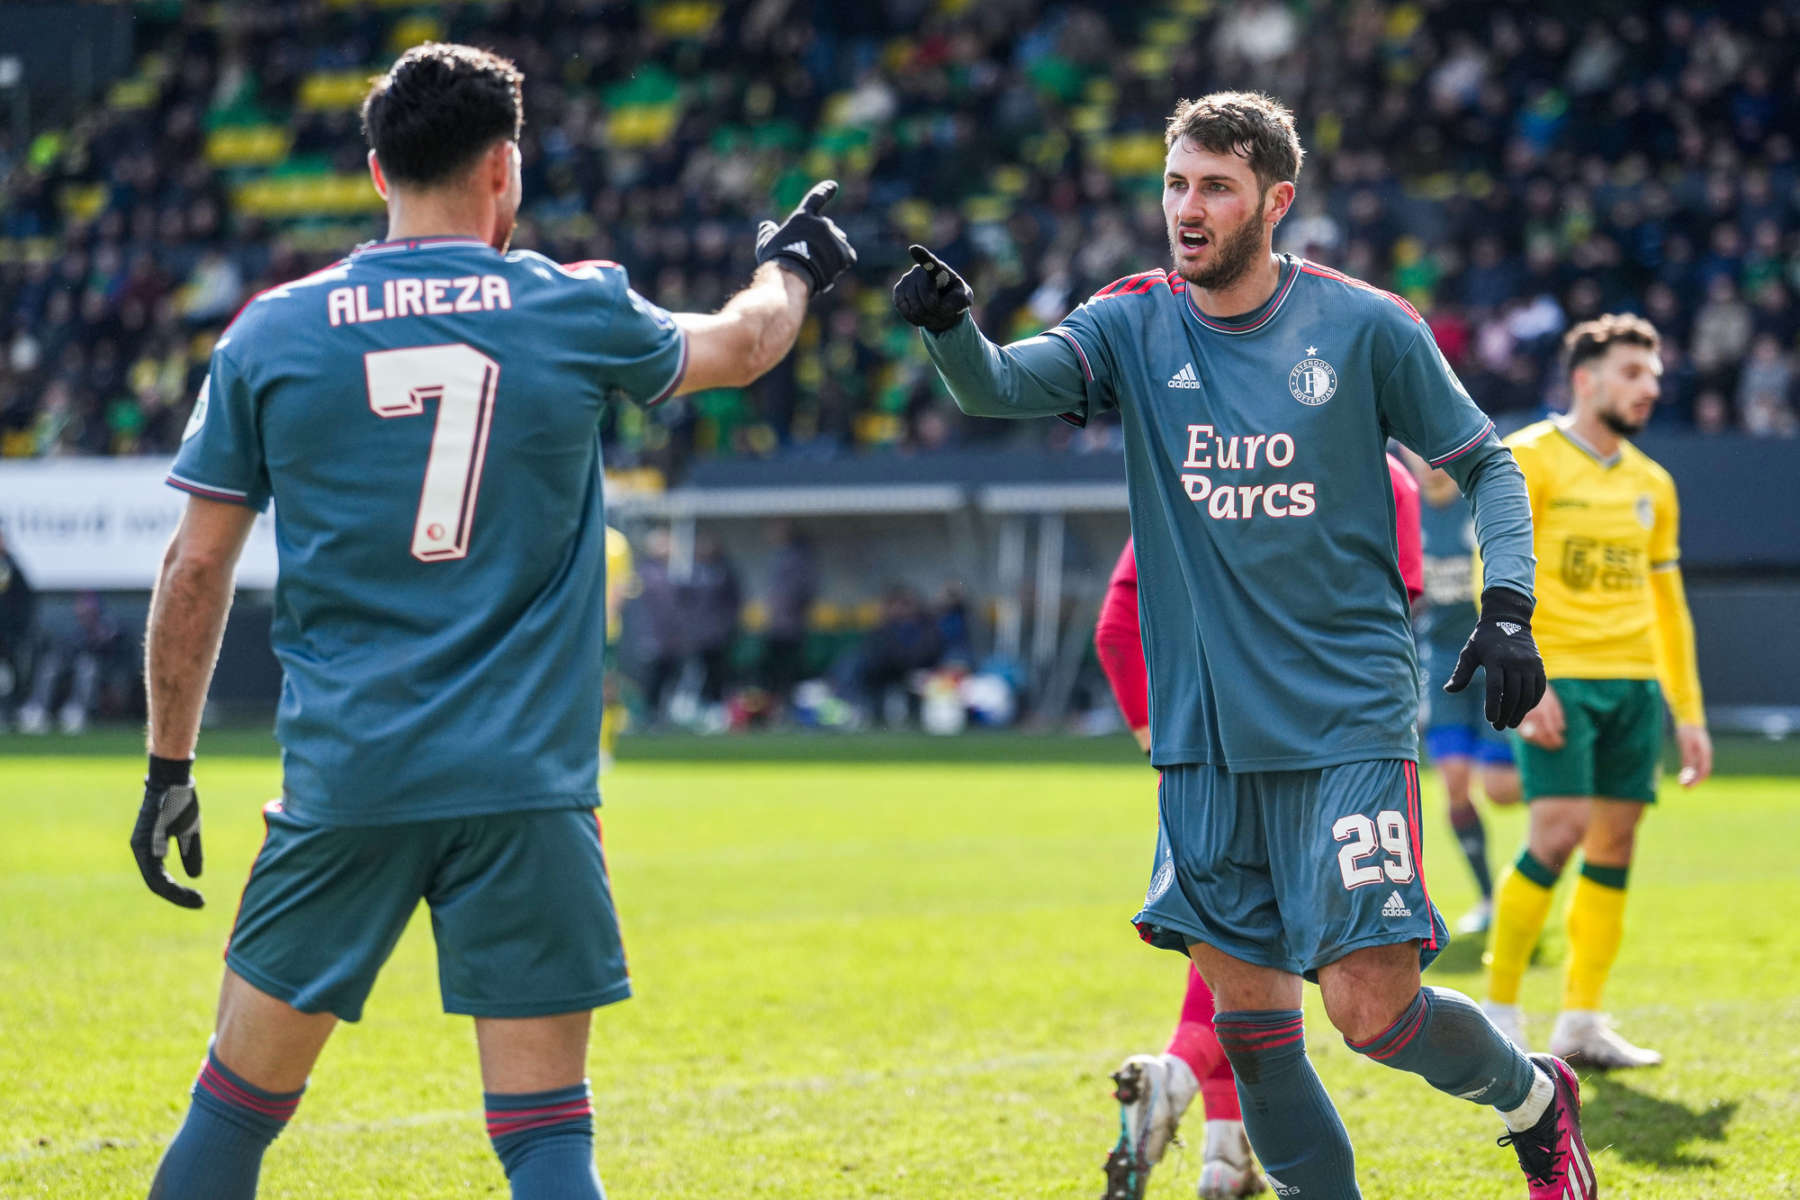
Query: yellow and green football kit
(1613, 625)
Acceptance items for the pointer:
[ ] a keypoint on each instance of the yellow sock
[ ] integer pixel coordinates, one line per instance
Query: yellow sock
(1521, 905)
(612, 718)
(1596, 927)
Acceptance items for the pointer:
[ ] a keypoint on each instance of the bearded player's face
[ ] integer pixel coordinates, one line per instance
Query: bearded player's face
(1625, 383)
(1213, 209)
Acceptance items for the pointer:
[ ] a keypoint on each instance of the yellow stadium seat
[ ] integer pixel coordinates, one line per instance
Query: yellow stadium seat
(642, 125)
(410, 30)
(691, 18)
(333, 89)
(81, 202)
(247, 145)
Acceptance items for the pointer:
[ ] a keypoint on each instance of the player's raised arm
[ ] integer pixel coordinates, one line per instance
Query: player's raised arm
(796, 261)
(1037, 377)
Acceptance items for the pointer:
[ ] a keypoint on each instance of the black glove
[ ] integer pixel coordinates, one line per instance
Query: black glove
(170, 810)
(809, 245)
(931, 295)
(1501, 645)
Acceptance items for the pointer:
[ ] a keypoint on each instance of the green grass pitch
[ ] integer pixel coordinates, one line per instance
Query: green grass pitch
(893, 979)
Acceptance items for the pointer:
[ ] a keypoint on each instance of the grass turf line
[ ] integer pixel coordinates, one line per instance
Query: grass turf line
(859, 980)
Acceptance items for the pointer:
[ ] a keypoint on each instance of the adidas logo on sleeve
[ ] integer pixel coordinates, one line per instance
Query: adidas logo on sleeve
(1185, 378)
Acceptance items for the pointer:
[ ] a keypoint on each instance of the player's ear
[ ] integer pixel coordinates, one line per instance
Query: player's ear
(376, 175)
(499, 165)
(1280, 199)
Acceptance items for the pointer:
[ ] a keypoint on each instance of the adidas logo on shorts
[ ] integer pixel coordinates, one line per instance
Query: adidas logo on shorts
(1395, 907)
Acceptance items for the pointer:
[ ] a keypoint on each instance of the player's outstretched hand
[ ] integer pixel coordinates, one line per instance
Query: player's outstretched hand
(808, 244)
(1502, 647)
(931, 295)
(171, 809)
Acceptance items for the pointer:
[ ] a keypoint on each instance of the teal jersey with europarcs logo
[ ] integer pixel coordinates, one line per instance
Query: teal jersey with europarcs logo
(424, 416)
(1447, 538)
(1275, 621)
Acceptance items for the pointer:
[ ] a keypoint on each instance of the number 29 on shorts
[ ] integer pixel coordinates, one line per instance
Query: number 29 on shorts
(1364, 838)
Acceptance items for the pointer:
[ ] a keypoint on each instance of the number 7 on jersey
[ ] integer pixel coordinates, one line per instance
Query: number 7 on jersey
(462, 380)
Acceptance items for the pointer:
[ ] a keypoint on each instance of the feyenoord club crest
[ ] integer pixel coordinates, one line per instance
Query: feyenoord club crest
(1312, 381)
(1646, 512)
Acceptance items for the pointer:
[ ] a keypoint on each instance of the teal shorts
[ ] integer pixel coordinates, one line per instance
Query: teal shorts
(1290, 869)
(520, 906)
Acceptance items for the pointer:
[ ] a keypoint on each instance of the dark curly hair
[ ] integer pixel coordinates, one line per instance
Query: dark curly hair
(439, 108)
(1591, 339)
(1258, 129)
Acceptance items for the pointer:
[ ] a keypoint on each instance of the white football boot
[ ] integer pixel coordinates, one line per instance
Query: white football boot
(1507, 1020)
(1477, 919)
(1153, 1091)
(1228, 1170)
(1587, 1038)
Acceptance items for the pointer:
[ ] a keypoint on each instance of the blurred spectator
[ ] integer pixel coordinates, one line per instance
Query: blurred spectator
(953, 627)
(18, 612)
(1722, 330)
(79, 669)
(1711, 413)
(793, 586)
(907, 639)
(662, 638)
(1765, 388)
(713, 604)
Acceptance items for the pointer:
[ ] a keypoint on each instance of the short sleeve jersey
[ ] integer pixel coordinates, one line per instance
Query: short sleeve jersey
(1601, 527)
(1276, 624)
(1449, 548)
(424, 416)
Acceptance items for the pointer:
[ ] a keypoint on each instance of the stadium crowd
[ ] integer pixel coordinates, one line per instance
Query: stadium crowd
(1509, 171)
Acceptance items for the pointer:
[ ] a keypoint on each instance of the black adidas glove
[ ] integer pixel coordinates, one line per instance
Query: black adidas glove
(931, 295)
(810, 246)
(170, 810)
(1502, 647)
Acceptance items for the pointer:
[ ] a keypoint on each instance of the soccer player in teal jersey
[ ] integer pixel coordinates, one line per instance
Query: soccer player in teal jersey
(424, 415)
(1256, 392)
(1458, 741)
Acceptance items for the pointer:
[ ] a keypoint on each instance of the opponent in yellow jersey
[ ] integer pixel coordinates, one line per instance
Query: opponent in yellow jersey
(619, 585)
(1609, 570)
(1613, 626)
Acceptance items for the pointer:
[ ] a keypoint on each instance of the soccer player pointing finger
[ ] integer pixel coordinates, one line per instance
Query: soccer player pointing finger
(1256, 392)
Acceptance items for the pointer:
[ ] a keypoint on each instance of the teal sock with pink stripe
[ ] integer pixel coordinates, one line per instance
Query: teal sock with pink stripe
(1293, 1127)
(218, 1151)
(545, 1141)
(1444, 1037)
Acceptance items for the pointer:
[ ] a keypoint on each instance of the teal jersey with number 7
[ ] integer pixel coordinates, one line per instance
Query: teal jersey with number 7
(424, 416)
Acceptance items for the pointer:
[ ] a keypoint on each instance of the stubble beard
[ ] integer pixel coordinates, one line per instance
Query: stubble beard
(1233, 257)
(1620, 423)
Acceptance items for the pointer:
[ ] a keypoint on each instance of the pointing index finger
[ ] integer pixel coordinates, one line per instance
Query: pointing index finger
(819, 196)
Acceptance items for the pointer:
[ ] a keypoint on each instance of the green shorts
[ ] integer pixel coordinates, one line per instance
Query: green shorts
(520, 906)
(1612, 742)
(1290, 869)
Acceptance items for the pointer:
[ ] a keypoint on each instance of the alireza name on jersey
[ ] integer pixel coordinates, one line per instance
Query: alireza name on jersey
(1210, 451)
(418, 298)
